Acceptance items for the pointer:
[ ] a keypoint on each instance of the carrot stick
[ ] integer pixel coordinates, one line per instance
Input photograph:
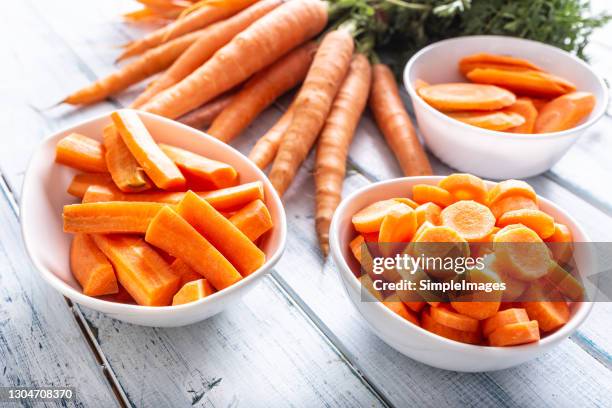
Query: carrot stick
(164, 173)
(171, 233)
(485, 60)
(91, 268)
(502, 318)
(221, 233)
(395, 124)
(81, 152)
(192, 291)
(200, 18)
(330, 165)
(524, 107)
(492, 120)
(123, 167)
(81, 182)
(253, 219)
(462, 96)
(140, 269)
(260, 44)
(150, 63)
(98, 193)
(266, 147)
(514, 334)
(204, 115)
(109, 217)
(261, 90)
(312, 105)
(199, 170)
(185, 271)
(215, 36)
(534, 83)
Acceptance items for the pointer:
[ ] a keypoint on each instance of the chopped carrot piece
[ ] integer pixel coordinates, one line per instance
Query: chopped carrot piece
(539, 103)
(509, 188)
(502, 318)
(550, 315)
(449, 318)
(410, 203)
(423, 193)
(396, 306)
(429, 324)
(540, 222)
(186, 273)
(80, 182)
(463, 96)
(495, 120)
(91, 268)
(464, 186)
(398, 225)
(439, 242)
(368, 284)
(472, 220)
(221, 233)
(470, 62)
(140, 269)
(81, 152)
(370, 218)
(109, 217)
(434, 304)
(477, 310)
(535, 83)
(416, 306)
(232, 198)
(564, 112)
(99, 194)
(123, 167)
(521, 252)
(158, 166)
(565, 283)
(515, 334)
(428, 212)
(356, 244)
(192, 291)
(253, 219)
(122, 296)
(173, 234)
(524, 107)
(512, 203)
(560, 243)
(201, 172)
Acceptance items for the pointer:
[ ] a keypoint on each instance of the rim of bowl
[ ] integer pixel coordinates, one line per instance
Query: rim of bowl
(106, 305)
(595, 116)
(343, 268)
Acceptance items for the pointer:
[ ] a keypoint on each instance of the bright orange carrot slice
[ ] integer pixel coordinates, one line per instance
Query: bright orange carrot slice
(522, 253)
(356, 244)
(550, 315)
(512, 203)
(109, 217)
(80, 182)
(535, 83)
(192, 291)
(221, 233)
(123, 167)
(515, 334)
(186, 273)
(564, 112)
(201, 172)
(171, 233)
(428, 212)
(495, 120)
(464, 186)
(476, 310)
(449, 318)
(158, 166)
(560, 243)
(369, 219)
(395, 305)
(524, 107)
(232, 198)
(502, 318)
(253, 219)
(473, 221)
(509, 188)
(483, 59)
(439, 242)
(423, 193)
(462, 96)
(81, 152)
(398, 225)
(410, 203)
(91, 268)
(429, 324)
(542, 223)
(140, 269)
(99, 194)
(539, 103)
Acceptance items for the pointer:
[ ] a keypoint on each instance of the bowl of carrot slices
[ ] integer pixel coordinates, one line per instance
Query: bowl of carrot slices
(502, 107)
(149, 220)
(498, 236)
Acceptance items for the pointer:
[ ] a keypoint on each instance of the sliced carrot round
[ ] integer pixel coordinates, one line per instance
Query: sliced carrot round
(522, 253)
(483, 59)
(509, 188)
(404, 200)
(564, 112)
(502, 318)
(398, 225)
(542, 223)
(395, 305)
(464, 186)
(423, 193)
(429, 324)
(472, 221)
(535, 83)
(369, 219)
(496, 120)
(449, 318)
(428, 212)
(462, 96)
(515, 334)
(550, 315)
(439, 242)
(512, 203)
(524, 107)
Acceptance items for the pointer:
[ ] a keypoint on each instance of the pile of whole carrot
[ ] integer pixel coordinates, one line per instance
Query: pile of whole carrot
(141, 234)
(225, 62)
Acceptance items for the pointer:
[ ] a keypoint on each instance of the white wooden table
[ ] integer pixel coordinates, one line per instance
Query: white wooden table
(295, 340)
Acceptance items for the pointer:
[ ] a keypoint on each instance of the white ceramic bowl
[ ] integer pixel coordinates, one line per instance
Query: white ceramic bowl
(418, 343)
(487, 153)
(44, 195)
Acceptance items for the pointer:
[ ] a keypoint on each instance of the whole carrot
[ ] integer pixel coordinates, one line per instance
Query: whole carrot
(204, 115)
(199, 18)
(261, 90)
(151, 62)
(215, 36)
(334, 142)
(312, 105)
(395, 124)
(260, 44)
(266, 147)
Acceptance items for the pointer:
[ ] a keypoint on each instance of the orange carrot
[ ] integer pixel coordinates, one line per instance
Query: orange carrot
(221, 233)
(312, 106)
(260, 44)
(564, 112)
(203, 116)
(476, 310)
(91, 268)
(550, 315)
(428, 212)
(253, 219)
(483, 59)
(81, 182)
(140, 269)
(356, 244)
(395, 304)
(192, 291)
(109, 217)
(398, 225)
(511, 203)
(405, 200)
(525, 108)
(462, 96)
(261, 90)
(187, 274)
(565, 283)
(150, 63)
(445, 316)
(123, 167)
(368, 284)
(264, 151)
(81, 152)
(431, 325)
(540, 222)
(502, 318)
(423, 193)
(496, 120)
(335, 139)
(521, 252)
(560, 243)
(199, 18)
(171, 233)
(515, 334)
(147, 153)
(369, 218)
(525, 82)
(199, 171)
(464, 186)
(472, 220)
(214, 37)
(509, 188)
(395, 124)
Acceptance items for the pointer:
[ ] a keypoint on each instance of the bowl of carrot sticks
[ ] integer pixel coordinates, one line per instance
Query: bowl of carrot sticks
(149, 220)
(386, 237)
(502, 107)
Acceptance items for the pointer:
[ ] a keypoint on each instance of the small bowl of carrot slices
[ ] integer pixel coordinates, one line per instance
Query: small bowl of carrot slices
(148, 220)
(502, 107)
(511, 291)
